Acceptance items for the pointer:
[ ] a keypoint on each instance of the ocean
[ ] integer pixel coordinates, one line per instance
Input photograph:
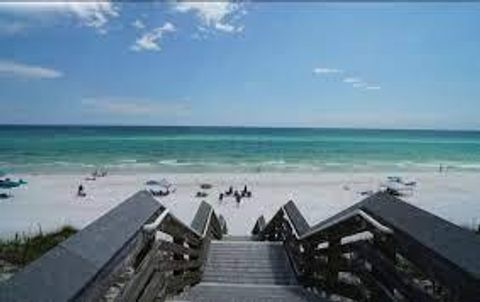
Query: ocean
(57, 149)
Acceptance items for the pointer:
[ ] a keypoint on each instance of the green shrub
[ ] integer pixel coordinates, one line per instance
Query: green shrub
(22, 250)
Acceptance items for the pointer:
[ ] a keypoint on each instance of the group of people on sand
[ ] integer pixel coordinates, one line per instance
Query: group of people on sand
(93, 176)
(96, 174)
(236, 194)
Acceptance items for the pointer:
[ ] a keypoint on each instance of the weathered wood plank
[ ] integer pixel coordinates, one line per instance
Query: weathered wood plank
(441, 250)
(259, 226)
(179, 265)
(179, 282)
(82, 265)
(431, 231)
(299, 223)
(250, 293)
(216, 228)
(173, 227)
(154, 288)
(142, 275)
(201, 218)
(176, 248)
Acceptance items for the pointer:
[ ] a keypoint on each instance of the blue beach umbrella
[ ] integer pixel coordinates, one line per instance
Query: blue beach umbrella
(8, 184)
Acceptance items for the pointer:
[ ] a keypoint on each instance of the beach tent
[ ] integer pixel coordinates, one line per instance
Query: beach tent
(158, 186)
(397, 186)
(162, 183)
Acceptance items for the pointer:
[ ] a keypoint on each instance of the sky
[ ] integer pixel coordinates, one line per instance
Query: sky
(384, 65)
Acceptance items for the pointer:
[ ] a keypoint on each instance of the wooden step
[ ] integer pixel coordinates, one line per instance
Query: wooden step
(237, 238)
(224, 292)
(247, 271)
(248, 262)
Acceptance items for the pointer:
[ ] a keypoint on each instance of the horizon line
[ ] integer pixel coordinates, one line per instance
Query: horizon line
(237, 126)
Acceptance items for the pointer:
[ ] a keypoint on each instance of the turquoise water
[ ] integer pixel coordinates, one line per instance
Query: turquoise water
(211, 149)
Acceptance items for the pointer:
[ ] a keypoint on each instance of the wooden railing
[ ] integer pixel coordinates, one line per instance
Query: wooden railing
(381, 249)
(172, 257)
(138, 251)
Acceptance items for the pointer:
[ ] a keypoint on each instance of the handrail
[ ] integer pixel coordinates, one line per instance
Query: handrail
(138, 251)
(150, 227)
(181, 260)
(320, 252)
(355, 213)
(312, 232)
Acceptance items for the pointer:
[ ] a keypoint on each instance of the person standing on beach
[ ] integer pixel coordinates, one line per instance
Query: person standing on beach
(238, 198)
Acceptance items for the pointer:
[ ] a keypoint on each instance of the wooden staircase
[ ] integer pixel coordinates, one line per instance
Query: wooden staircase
(238, 269)
(381, 249)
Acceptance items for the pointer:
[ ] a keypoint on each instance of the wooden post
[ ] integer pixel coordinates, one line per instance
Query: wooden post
(386, 245)
(308, 258)
(333, 266)
(178, 256)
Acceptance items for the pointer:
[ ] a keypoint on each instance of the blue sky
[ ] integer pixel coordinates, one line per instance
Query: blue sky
(256, 64)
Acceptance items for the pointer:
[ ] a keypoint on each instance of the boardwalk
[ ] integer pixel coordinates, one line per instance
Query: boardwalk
(240, 271)
(380, 249)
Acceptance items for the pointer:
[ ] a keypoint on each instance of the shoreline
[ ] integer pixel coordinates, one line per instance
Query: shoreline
(173, 166)
(49, 200)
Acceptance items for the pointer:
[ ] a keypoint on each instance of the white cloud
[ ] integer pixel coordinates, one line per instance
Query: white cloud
(150, 40)
(138, 24)
(229, 28)
(134, 107)
(324, 70)
(95, 14)
(352, 80)
(359, 85)
(214, 15)
(9, 68)
(355, 82)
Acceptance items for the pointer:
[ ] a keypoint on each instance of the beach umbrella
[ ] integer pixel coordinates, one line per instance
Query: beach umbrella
(152, 183)
(165, 183)
(8, 184)
(162, 184)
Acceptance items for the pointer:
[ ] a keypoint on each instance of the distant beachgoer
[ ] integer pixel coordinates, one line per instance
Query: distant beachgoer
(440, 169)
(245, 189)
(81, 191)
(230, 191)
(238, 199)
(220, 197)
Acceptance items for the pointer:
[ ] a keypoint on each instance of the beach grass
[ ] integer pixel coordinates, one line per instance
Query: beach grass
(24, 249)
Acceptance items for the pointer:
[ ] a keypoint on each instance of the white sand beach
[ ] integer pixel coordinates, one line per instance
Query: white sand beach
(49, 201)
